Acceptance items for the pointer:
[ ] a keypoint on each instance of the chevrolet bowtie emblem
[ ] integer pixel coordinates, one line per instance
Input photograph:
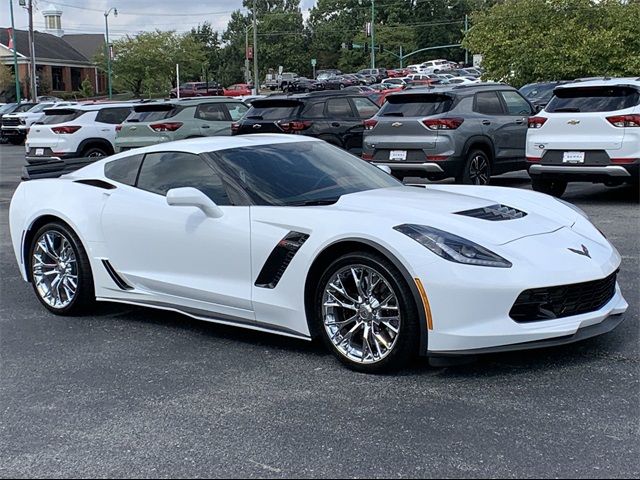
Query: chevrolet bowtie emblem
(257, 126)
(396, 124)
(573, 122)
(584, 251)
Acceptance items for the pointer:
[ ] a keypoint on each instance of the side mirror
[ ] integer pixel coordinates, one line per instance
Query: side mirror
(192, 197)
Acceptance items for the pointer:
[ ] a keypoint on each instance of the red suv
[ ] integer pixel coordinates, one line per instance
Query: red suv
(238, 90)
(197, 89)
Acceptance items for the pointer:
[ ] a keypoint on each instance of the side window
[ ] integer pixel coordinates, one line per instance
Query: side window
(488, 103)
(516, 105)
(124, 170)
(163, 171)
(313, 110)
(212, 112)
(236, 110)
(339, 107)
(365, 107)
(113, 116)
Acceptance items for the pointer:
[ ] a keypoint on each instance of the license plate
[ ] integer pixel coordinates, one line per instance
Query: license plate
(573, 157)
(398, 155)
(39, 151)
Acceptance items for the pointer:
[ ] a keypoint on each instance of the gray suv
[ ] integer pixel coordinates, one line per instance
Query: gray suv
(468, 132)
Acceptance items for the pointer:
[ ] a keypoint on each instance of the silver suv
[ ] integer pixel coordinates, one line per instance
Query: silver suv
(468, 132)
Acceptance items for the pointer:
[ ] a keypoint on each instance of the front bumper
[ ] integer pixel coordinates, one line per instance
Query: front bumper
(12, 131)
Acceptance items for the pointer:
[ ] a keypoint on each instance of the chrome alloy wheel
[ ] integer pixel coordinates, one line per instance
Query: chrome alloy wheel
(479, 170)
(361, 314)
(55, 269)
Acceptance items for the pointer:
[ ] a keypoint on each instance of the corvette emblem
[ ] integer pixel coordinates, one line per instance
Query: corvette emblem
(573, 122)
(257, 126)
(396, 124)
(584, 251)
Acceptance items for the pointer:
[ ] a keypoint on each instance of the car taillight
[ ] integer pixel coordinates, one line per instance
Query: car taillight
(442, 123)
(235, 128)
(293, 127)
(534, 159)
(118, 128)
(166, 127)
(370, 124)
(65, 130)
(537, 122)
(367, 156)
(623, 121)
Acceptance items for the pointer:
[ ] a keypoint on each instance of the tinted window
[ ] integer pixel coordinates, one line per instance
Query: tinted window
(365, 107)
(163, 171)
(40, 107)
(60, 115)
(293, 173)
(416, 105)
(124, 170)
(7, 108)
(212, 112)
(113, 116)
(313, 110)
(339, 107)
(516, 105)
(152, 113)
(24, 107)
(237, 110)
(593, 99)
(488, 103)
(273, 109)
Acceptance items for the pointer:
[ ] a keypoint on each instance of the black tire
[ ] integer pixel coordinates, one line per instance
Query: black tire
(550, 186)
(407, 341)
(85, 293)
(476, 169)
(342, 86)
(16, 140)
(94, 151)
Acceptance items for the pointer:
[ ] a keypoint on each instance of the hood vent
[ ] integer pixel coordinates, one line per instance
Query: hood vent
(494, 213)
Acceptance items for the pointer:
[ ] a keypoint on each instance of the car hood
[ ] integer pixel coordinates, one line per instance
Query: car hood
(441, 206)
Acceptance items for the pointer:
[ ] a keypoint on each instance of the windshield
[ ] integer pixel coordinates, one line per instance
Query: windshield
(300, 173)
(273, 109)
(40, 107)
(416, 105)
(593, 99)
(7, 108)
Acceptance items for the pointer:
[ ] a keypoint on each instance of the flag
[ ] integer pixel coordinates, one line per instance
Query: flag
(10, 32)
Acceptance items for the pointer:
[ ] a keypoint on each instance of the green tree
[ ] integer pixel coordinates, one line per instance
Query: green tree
(7, 81)
(209, 40)
(86, 88)
(528, 40)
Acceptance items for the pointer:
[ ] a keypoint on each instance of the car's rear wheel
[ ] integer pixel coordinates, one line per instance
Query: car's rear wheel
(550, 186)
(60, 270)
(476, 170)
(367, 313)
(94, 152)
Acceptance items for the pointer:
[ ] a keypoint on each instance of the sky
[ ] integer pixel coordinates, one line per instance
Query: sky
(86, 16)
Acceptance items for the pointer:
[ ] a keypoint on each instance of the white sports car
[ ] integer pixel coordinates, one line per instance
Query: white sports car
(290, 235)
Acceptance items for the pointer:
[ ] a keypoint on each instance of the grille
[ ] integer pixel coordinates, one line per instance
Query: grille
(494, 213)
(564, 300)
(10, 122)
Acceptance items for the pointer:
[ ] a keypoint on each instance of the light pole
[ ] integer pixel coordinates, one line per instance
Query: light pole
(373, 34)
(16, 73)
(108, 49)
(256, 79)
(247, 72)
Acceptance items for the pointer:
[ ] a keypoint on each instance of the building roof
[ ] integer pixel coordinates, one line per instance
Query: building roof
(47, 47)
(88, 44)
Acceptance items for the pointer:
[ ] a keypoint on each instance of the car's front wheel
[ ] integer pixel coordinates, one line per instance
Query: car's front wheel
(60, 271)
(367, 313)
(550, 186)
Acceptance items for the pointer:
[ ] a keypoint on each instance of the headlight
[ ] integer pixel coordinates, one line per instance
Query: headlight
(574, 208)
(453, 248)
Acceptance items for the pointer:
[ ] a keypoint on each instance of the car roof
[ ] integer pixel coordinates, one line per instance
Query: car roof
(92, 107)
(457, 89)
(602, 82)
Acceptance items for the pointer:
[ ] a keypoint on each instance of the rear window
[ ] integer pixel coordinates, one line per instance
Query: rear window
(593, 99)
(273, 109)
(54, 116)
(152, 113)
(113, 116)
(416, 105)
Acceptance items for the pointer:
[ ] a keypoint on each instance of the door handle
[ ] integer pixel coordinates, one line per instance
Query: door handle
(206, 126)
(520, 121)
(486, 122)
(335, 124)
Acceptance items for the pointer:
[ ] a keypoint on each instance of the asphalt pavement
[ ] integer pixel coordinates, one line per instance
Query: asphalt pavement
(134, 392)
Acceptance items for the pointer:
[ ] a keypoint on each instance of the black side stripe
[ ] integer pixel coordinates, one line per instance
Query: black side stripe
(279, 259)
(96, 183)
(117, 279)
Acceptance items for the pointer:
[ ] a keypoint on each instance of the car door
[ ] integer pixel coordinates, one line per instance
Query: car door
(495, 125)
(178, 252)
(343, 123)
(213, 119)
(516, 123)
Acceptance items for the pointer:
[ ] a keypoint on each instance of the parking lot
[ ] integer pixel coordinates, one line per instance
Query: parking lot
(133, 392)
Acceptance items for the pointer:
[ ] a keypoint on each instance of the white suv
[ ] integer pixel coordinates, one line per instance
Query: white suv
(76, 131)
(16, 125)
(588, 132)
(435, 66)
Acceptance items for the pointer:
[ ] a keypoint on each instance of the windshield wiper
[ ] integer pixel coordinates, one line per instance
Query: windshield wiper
(310, 203)
(393, 114)
(567, 109)
(255, 117)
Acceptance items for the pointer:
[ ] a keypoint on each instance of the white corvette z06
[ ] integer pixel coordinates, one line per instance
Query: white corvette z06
(291, 235)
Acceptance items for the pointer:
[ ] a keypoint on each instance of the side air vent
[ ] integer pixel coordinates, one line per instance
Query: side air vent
(494, 213)
(279, 259)
(97, 183)
(117, 279)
